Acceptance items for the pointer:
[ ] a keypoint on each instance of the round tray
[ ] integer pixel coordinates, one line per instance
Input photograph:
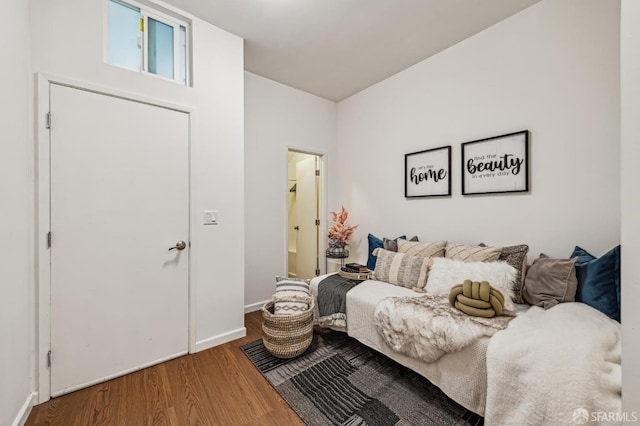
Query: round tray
(355, 275)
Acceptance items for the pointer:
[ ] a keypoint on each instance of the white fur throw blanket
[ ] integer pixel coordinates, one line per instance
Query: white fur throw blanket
(427, 327)
(555, 367)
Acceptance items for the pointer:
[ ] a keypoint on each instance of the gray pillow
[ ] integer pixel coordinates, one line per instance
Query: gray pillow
(516, 256)
(391, 245)
(550, 281)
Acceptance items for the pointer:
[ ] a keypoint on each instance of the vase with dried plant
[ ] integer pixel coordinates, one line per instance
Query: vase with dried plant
(339, 233)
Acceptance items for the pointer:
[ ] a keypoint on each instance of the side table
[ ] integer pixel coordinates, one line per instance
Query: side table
(342, 256)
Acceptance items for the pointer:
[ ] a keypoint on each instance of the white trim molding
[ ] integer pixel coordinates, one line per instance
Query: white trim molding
(254, 306)
(212, 341)
(25, 410)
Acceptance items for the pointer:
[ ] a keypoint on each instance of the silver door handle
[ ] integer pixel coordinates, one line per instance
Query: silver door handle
(180, 245)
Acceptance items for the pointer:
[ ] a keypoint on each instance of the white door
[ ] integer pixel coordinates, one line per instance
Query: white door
(307, 213)
(119, 201)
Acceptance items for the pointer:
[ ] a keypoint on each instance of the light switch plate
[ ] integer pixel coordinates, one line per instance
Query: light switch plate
(210, 217)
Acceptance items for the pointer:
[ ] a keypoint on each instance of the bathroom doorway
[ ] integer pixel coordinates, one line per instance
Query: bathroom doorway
(303, 189)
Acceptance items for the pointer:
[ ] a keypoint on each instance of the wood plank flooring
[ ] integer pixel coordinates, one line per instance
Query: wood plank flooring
(218, 386)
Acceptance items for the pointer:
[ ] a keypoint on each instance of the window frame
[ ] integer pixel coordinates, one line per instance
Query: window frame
(147, 12)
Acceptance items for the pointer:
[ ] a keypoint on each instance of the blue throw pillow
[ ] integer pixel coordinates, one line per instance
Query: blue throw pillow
(374, 243)
(599, 281)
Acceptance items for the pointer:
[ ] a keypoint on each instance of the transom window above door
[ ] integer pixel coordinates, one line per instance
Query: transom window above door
(148, 41)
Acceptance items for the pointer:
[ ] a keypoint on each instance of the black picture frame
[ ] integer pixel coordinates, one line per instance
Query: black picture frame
(496, 165)
(428, 173)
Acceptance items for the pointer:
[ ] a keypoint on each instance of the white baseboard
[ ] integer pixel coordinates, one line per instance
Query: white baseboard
(254, 306)
(210, 342)
(25, 410)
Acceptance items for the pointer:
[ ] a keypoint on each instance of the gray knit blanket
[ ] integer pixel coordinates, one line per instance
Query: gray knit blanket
(332, 300)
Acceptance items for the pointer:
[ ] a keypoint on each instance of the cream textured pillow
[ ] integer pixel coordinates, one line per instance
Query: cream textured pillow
(291, 305)
(445, 273)
(419, 249)
(401, 269)
(472, 253)
(291, 297)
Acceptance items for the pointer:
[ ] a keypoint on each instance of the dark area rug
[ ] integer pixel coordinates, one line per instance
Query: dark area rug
(340, 381)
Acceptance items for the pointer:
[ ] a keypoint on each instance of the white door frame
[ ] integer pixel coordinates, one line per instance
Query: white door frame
(322, 156)
(43, 218)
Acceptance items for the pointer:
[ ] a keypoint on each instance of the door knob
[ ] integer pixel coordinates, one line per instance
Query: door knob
(180, 245)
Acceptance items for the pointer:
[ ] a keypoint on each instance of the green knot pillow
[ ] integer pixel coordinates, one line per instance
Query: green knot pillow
(477, 298)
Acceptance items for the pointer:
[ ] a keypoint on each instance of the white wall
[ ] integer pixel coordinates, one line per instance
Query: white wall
(67, 40)
(16, 282)
(552, 69)
(277, 117)
(630, 176)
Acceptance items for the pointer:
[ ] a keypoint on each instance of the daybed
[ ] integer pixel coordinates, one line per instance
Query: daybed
(546, 367)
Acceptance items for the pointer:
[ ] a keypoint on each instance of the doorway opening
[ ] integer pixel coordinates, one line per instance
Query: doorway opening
(303, 210)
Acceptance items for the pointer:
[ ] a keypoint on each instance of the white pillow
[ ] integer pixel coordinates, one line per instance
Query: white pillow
(445, 273)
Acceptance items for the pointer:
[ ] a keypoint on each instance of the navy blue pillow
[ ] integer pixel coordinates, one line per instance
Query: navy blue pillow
(374, 243)
(599, 281)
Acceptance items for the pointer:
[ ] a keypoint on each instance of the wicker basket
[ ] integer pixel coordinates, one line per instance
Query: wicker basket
(287, 336)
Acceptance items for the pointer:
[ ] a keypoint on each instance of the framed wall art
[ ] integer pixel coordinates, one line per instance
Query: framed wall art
(496, 165)
(428, 173)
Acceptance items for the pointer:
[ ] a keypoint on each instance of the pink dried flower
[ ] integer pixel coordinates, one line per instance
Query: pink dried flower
(340, 231)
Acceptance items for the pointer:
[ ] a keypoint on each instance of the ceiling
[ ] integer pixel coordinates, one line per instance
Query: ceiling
(335, 48)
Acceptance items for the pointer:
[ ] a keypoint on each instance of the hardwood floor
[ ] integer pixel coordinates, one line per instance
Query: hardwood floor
(218, 386)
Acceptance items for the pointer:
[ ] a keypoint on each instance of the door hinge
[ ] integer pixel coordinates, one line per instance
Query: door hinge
(49, 359)
(317, 172)
(317, 272)
(49, 239)
(317, 222)
(48, 120)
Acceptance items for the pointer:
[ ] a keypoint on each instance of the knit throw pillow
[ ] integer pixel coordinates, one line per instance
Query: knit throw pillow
(401, 269)
(420, 249)
(472, 253)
